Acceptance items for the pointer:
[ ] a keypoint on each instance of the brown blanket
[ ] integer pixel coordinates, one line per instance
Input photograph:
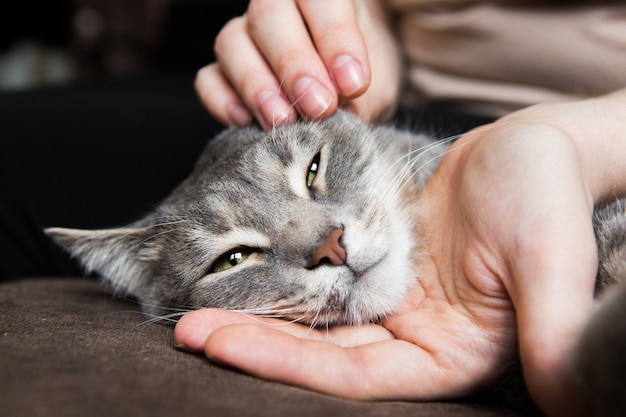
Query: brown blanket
(69, 349)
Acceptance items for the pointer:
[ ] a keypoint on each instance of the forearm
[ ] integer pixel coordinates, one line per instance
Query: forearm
(602, 144)
(598, 128)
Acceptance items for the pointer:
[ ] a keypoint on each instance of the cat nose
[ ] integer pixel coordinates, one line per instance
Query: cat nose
(330, 251)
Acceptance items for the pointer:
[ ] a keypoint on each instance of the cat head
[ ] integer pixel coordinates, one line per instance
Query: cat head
(309, 221)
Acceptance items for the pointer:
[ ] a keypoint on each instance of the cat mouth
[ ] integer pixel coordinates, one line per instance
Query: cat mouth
(360, 270)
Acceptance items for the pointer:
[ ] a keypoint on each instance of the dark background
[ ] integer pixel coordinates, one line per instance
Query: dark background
(102, 142)
(109, 37)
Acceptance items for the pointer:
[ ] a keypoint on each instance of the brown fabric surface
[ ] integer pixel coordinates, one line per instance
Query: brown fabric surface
(69, 349)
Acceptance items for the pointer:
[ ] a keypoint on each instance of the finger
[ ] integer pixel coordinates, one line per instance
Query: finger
(219, 98)
(338, 40)
(280, 34)
(384, 370)
(377, 102)
(194, 328)
(251, 78)
(374, 106)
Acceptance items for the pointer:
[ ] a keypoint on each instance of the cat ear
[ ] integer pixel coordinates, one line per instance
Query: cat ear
(123, 257)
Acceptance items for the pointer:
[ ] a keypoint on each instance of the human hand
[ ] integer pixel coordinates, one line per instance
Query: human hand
(511, 266)
(519, 217)
(302, 57)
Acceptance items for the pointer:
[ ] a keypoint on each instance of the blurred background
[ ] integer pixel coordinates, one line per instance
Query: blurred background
(48, 42)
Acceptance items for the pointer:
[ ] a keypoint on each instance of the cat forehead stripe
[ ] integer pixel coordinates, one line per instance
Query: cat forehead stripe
(296, 175)
(242, 236)
(247, 237)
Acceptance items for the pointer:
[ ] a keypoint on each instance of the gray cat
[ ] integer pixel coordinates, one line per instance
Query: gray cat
(311, 222)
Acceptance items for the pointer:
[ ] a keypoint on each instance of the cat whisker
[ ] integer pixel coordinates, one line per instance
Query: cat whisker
(403, 181)
(410, 157)
(270, 312)
(278, 91)
(166, 318)
(153, 236)
(400, 179)
(416, 170)
(313, 323)
(171, 308)
(415, 156)
(290, 314)
(169, 223)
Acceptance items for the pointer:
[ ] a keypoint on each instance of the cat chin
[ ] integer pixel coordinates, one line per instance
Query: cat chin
(383, 290)
(372, 295)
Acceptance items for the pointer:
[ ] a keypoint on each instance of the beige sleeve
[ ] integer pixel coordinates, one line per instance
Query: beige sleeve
(501, 56)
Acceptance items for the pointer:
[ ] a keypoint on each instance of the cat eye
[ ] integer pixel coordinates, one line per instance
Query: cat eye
(230, 259)
(315, 163)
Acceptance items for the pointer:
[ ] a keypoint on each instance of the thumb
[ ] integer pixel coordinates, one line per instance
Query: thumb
(553, 295)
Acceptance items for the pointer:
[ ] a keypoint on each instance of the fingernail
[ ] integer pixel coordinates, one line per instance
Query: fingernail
(274, 108)
(238, 115)
(348, 74)
(311, 97)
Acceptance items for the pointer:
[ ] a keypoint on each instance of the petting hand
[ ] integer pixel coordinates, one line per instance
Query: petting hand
(289, 57)
(510, 269)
